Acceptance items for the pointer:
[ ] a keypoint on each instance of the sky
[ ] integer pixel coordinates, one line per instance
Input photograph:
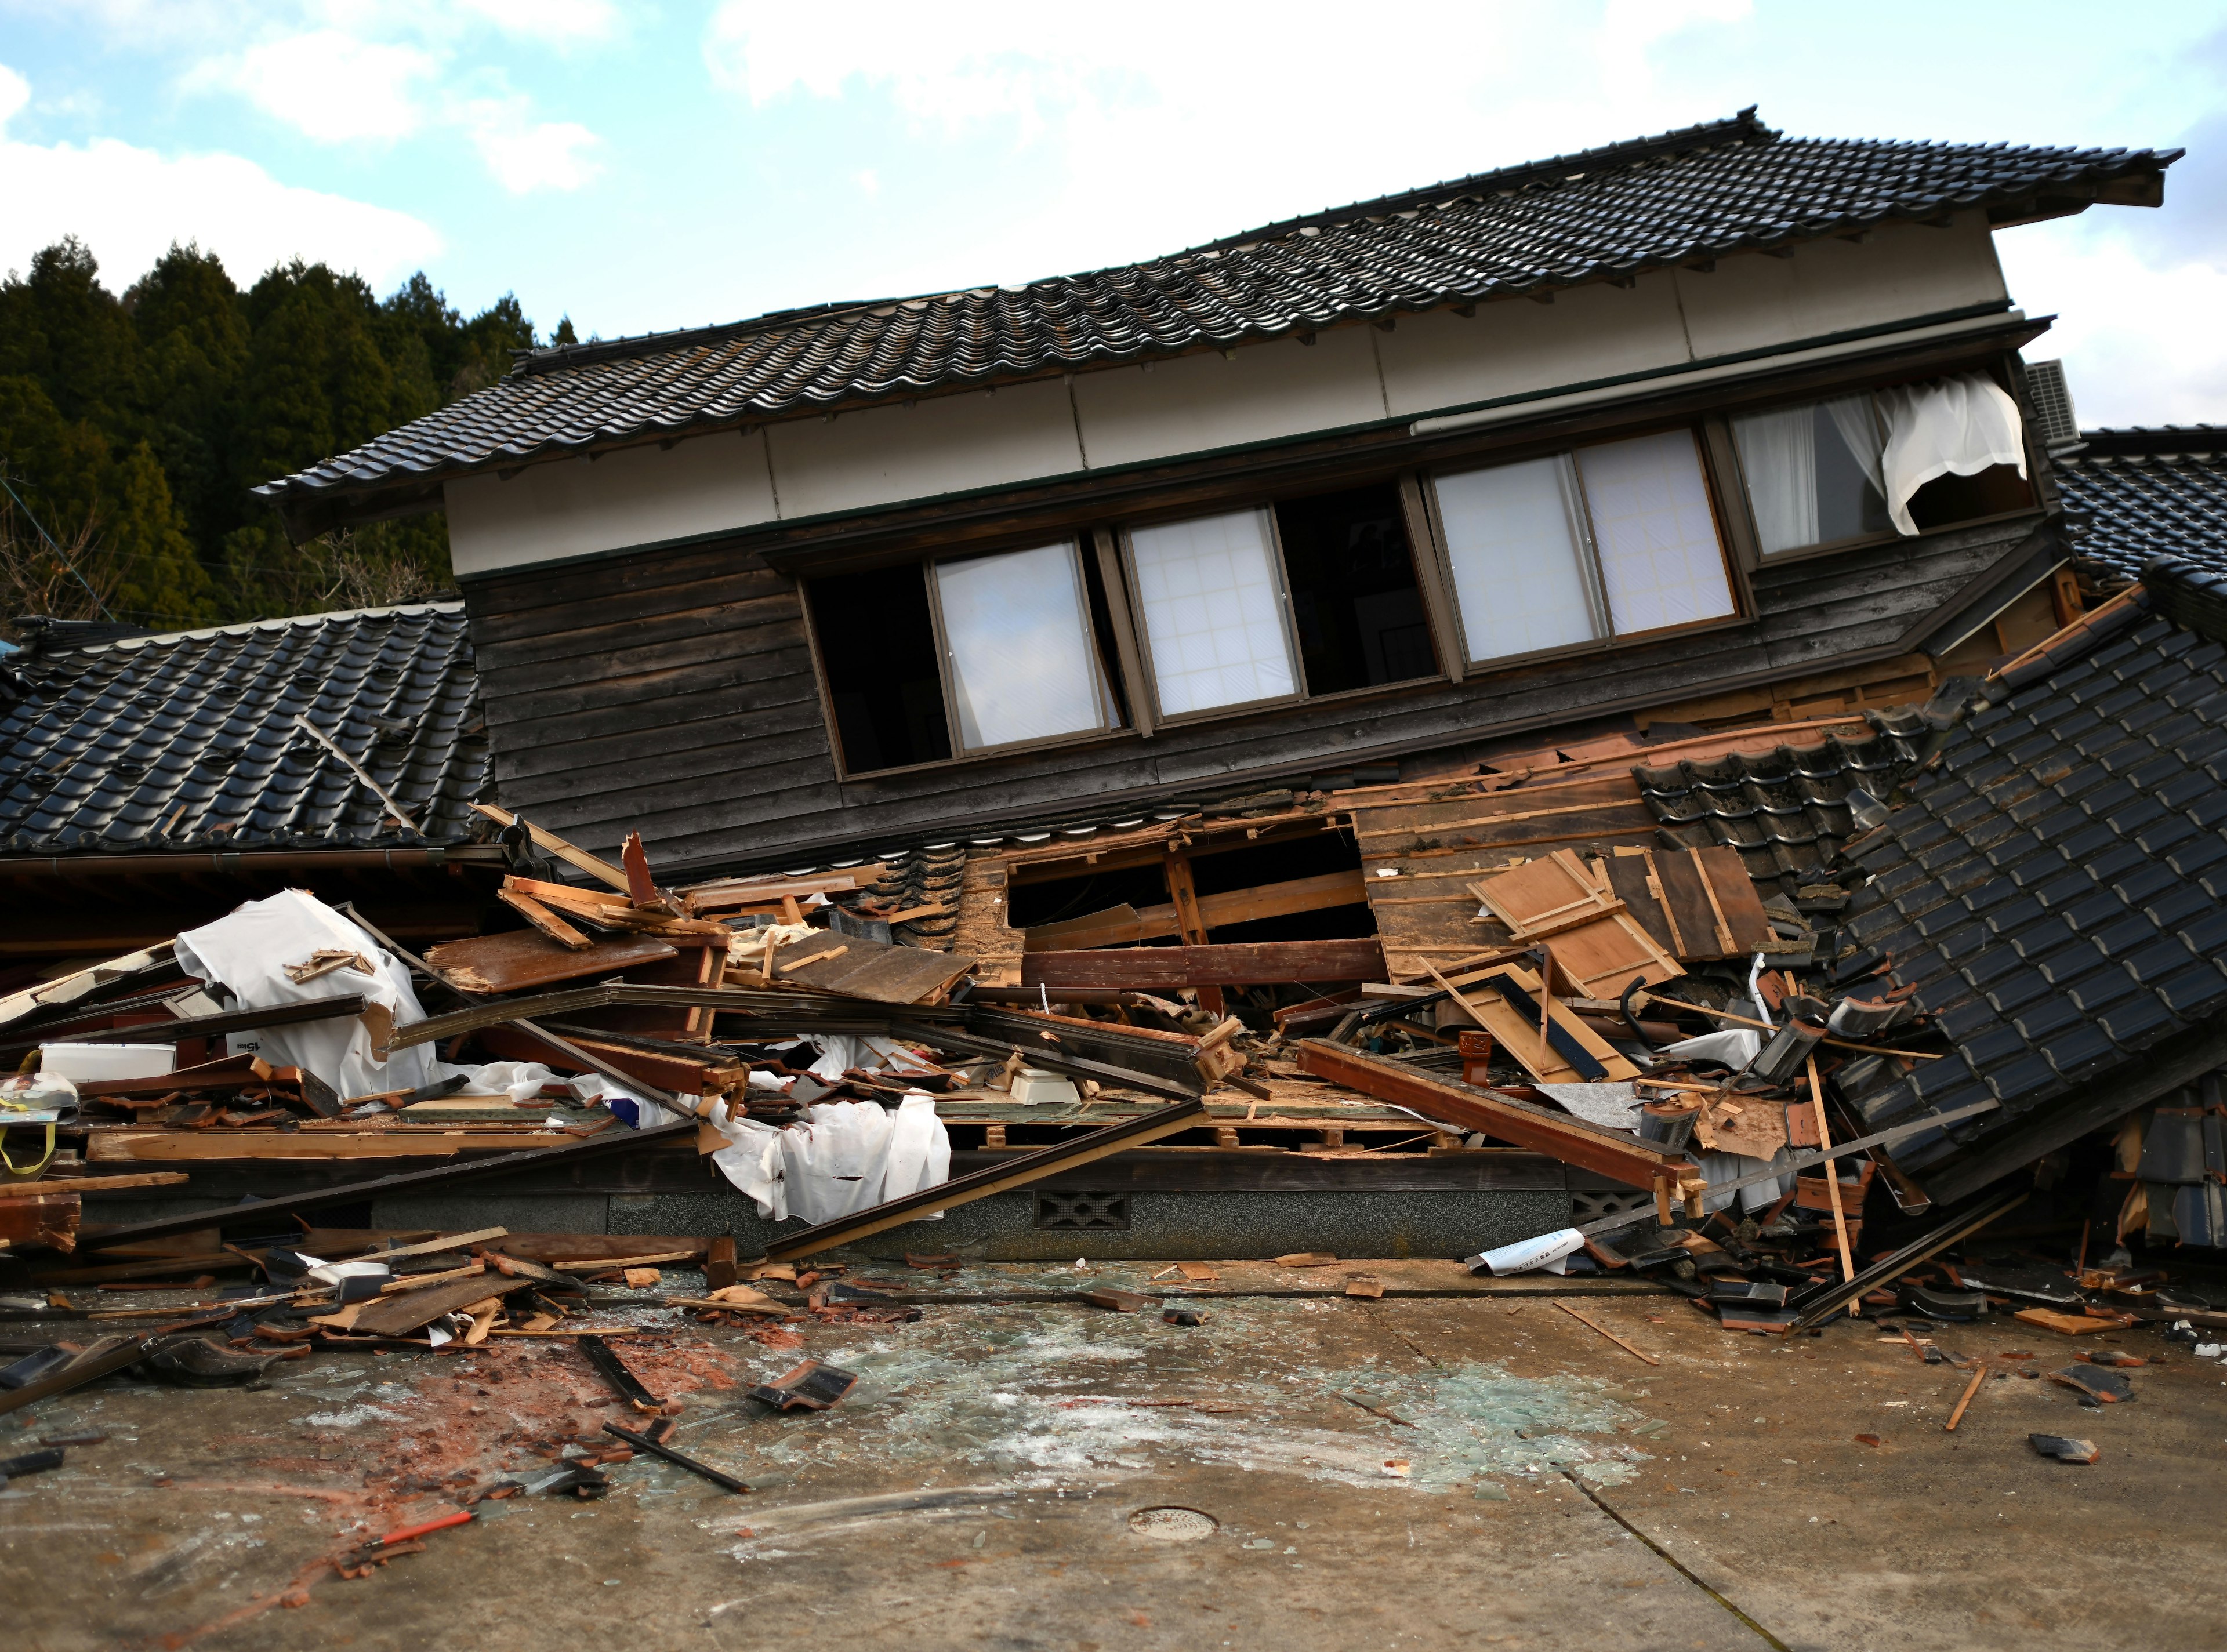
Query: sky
(655, 164)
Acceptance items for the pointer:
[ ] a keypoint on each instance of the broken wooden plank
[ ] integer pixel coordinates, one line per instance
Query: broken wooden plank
(857, 967)
(518, 959)
(93, 1183)
(550, 843)
(1263, 963)
(406, 1310)
(259, 1211)
(544, 920)
(1608, 1152)
(196, 1147)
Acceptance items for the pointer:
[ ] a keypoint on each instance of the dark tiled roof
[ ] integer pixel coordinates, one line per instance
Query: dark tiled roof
(2055, 891)
(188, 741)
(1786, 811)
(2132, 494)
(1706, 191)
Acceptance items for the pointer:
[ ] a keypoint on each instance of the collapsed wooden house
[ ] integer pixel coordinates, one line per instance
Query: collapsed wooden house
(1229, 624)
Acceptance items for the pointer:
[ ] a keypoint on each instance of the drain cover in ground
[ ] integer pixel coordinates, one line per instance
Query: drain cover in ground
(1172, 1525)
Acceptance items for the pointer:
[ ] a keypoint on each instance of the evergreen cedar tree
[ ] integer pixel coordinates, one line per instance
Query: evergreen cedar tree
(145, 419)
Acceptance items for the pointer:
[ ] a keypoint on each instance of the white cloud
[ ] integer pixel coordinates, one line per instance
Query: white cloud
(381, 73)
(15, 93)
(330, 86)
(2138, 335)
(553, 22)
(526, 155)
(130, 204)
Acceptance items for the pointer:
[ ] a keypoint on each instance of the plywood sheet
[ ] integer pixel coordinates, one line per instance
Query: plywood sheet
(871, 969)
(520, 958)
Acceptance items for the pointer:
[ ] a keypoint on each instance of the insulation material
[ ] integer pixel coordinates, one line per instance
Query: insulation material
(841, 1157)
(247, 952)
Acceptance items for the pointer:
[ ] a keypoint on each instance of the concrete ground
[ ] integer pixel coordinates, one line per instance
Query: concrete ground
(1456, 1465)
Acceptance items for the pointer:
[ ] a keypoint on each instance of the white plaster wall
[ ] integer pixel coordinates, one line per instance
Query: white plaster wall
(1438, 360)
(569, 507)
(1198, 402)
(1127, 415)
(943, 444)
(1832, 286)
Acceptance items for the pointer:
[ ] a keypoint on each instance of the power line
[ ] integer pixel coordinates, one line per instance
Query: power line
(99, 601)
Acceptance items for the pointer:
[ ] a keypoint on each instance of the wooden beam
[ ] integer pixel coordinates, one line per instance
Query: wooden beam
(1158, 968)
(571, 854)
(1605, 1152)
(1125, 926)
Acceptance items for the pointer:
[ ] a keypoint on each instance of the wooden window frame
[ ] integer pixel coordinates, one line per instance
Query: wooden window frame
(960, 752)
(1111, 707)
(1731, 546)
(1736, 473)
(1426, 586)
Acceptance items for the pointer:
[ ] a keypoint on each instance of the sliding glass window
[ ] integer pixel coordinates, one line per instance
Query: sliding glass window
(1612, 540)
(1813, 473)
(1016, 633)
(1211, 595)
(1306, 598)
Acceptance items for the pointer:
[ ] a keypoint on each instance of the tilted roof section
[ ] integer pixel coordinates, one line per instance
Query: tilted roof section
(1607, 213)
(2055, 890)
(188, 741)
(2132, 494)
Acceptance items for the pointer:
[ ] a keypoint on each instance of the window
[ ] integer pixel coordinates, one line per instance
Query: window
(1309, 597)
(878, 648)
(1016, 628)
(1018, 662)
(1212, 604)
(1813, 473)
(1355, 603)
(1907, 459)
(1609, 541)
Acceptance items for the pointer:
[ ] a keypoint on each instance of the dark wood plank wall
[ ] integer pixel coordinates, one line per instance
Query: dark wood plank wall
(671, 693)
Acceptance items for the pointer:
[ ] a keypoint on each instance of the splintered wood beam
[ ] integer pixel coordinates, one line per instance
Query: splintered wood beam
(1125, 925)
(1160, 968)
(544, 920)
(642, 889)
(1607, 1152)
(259, 1213)
(572, 854)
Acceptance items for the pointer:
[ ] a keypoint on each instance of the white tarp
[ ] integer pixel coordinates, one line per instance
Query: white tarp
(1615, 1106)
(247, 951)
(1949, 427)
(841, 1157)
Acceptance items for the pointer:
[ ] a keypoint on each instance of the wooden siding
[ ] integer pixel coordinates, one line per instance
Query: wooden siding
(672, 692)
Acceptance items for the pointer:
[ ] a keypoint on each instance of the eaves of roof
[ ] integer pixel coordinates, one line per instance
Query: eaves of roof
(1610, 214)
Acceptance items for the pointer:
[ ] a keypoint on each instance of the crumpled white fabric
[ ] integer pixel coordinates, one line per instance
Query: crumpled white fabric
(247, 951)
(519, 1080)
(1735, 1047)
(841, 1157)
(1957, 426)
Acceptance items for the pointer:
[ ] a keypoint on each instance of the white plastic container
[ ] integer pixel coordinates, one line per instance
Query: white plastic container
(1034, 1087)
(81, 1063)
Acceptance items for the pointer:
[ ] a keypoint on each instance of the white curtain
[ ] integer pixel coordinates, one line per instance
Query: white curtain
(1019, 629)
(1778, 454)
(1949, 427)
(1857, 420)
(1213, 608)
(1519, 570)
(1660, 561)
